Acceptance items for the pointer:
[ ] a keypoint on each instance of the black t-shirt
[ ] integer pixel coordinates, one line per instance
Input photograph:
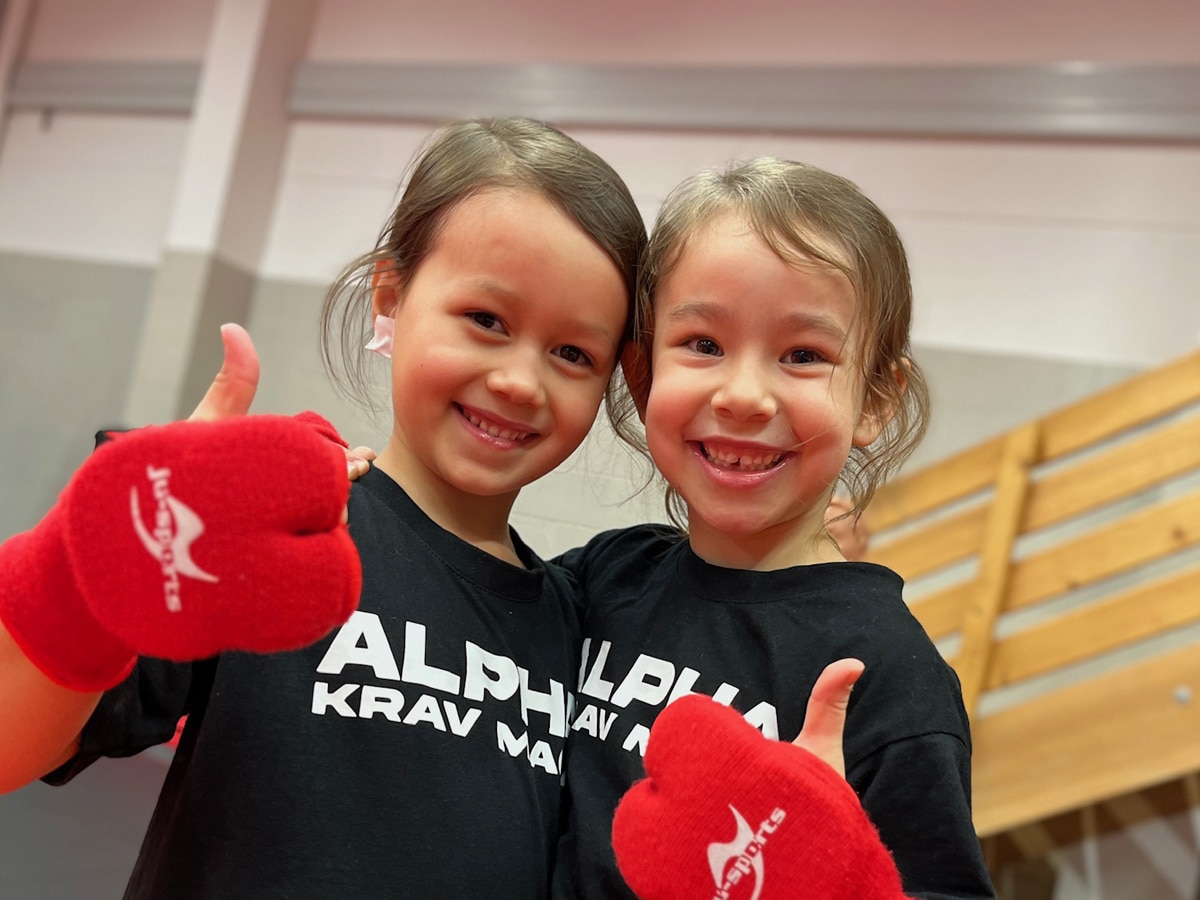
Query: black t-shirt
(660, 623)
(414, 752)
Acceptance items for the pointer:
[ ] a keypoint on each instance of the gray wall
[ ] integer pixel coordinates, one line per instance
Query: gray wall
(78, 844)
(68, 330)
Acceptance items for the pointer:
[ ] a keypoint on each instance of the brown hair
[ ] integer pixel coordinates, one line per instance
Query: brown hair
(799, 209)
(458, 162)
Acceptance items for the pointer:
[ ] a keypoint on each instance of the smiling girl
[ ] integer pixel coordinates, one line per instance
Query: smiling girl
(416, 751)
(772, 363)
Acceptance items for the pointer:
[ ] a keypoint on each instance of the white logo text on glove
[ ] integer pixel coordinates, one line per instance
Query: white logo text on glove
(745, 851)
(176, 528)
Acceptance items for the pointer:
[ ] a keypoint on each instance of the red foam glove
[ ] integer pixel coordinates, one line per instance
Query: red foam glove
(321, 426)
(183, 541)
(726, 813)
(45, 612)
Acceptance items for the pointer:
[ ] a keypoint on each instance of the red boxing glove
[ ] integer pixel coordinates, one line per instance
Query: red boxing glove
(321, 426)
(45, 613)
(183, 541)
(197, 537)
(725, 813)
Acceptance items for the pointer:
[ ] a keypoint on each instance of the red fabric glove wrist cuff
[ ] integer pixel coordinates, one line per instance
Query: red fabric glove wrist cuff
(45, 613)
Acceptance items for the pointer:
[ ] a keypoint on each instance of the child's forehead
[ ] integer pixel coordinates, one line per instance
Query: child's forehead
(519, 220)
(796, 242)
(494, 199)
(733, 235)
(735, 263)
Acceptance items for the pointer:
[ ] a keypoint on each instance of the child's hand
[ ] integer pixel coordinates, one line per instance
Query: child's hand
(232, 393)
(725, 811)
(358, 462)
(182, 541)
(198, 537)
(232, 390)
(825, 717)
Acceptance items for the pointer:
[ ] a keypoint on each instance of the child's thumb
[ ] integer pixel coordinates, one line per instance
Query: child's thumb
(232, 391)
(825, 719)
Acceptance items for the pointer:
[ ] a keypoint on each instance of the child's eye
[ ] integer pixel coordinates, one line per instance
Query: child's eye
(575, 356)
(486, 320)
(704, 346)
(803, 357)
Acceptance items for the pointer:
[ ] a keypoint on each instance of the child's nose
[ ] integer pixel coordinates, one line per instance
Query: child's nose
(745, 395)
(518, 379)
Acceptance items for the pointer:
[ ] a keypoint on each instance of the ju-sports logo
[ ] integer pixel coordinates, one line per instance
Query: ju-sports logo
(170, 538)
(741, 858)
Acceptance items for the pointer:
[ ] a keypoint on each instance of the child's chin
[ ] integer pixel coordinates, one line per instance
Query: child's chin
(749, 525)
(734, 525)
(484, 486)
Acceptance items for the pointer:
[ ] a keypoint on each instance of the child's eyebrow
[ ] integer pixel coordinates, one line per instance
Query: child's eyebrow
(699, 309)
(491, 287)
(797, 321)
(814, 322)
(599, 332)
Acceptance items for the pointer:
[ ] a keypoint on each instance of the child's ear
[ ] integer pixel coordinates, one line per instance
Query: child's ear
(635, 365)
(878, 408)
(385, 288)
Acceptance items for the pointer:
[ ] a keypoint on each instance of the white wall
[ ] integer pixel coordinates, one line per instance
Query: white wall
(87, 186)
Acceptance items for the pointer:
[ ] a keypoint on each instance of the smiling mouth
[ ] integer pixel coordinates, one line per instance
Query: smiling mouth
(495, 430)
(741, 461)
